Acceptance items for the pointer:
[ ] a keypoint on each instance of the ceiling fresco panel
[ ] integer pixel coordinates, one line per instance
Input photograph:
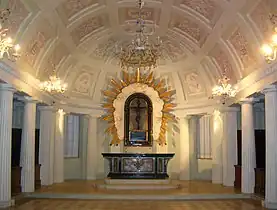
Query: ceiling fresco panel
(223, 62)
(260, 16)
(19, 13)
(242, 48)
(209, 9)
(131, 13)
(88, 27)
(70, 8)
(189, 28)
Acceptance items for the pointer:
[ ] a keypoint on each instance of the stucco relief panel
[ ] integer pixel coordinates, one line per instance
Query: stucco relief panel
(72, 7)
(87, 27)
(35, 46)
(194, 84)
(105, 50)
(207, 8)
(171, 50)
(131, 13)
(83, 83)
(242, 48)
(188, 27)
(260, 16)
(223, 62)
(18, 14)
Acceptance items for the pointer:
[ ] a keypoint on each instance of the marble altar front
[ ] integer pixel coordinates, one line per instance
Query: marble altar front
(137, 166)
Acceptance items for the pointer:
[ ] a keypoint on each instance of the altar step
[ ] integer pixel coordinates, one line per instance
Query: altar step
(137, 181)
(137, 184)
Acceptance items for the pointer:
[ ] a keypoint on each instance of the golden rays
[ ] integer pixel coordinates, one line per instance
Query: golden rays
(115, 88)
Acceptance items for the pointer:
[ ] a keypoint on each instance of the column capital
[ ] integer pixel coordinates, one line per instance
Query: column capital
(249, 100)
(269, 88)
(27, 99)
(228, 109)
(7, 87)
(62, 112)
(92, 115)
(46, 108)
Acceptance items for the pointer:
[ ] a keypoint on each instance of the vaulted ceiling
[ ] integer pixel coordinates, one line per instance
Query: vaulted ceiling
(201, 38)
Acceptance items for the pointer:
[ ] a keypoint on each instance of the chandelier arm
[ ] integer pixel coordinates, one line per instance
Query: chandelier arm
(273, 56)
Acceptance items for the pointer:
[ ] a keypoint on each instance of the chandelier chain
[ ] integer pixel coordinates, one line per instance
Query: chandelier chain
(140, 53)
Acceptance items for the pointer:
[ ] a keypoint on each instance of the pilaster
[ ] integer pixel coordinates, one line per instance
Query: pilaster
(248, 160)
(184, 148)
(27, 154)
(59, 147)
(46, 144)
(6, 110)
(270, 93)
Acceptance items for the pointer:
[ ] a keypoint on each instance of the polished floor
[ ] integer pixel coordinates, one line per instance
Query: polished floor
(90, 187)
(55, 204)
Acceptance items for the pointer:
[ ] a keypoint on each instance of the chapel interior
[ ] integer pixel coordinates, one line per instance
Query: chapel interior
(138, 104)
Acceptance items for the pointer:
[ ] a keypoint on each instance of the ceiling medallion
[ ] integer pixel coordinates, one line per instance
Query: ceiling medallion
(54, 84)
(7, 48)
(224, 89)
(140, 53)
(115, 89)
(269, 50)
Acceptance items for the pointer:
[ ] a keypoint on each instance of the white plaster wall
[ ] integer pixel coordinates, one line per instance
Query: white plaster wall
(75, 168)
(200, 169)
(173, 145)
(103, 141)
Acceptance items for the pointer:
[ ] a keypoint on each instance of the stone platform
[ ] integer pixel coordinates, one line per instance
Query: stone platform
(89, 190)
(138, 184)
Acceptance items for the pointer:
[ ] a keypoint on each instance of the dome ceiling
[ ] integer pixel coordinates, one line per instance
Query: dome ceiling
(200, 39)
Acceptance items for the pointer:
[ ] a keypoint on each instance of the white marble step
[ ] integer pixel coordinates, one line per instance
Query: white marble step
(138, 186)
(137, 181)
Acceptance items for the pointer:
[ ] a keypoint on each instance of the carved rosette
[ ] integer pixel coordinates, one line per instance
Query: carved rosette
(155, 88)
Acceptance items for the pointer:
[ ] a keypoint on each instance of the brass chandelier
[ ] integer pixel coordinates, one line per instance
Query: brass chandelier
(269, 50)
(140, 53)
(7, 48)
(54, 84)
(224, 89)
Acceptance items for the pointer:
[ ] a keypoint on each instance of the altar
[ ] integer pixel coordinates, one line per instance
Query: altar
(137, 166)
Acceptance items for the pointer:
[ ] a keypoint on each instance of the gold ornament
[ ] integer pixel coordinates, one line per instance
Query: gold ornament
(159, 85)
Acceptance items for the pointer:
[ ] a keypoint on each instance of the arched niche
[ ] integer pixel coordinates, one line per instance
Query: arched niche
(138, 123)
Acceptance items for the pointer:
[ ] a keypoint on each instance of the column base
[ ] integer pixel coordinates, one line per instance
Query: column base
(5, 204)
(91, 178)
(217, 181)
(269, 205)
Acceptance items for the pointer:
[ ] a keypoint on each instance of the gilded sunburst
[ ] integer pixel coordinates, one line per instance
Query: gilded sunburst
(116, 86)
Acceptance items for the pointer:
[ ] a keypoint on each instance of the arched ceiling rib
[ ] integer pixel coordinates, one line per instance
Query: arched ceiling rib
(201, 39)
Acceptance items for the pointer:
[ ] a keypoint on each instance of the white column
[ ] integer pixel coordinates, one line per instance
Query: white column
(27, 154)
(248, 157)
(271, 147)
(46, 144)
(184, 148)
(92, 148)
(6, 110)
(217, 156)
(229, 145)
(59, 147)
(193, 147)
